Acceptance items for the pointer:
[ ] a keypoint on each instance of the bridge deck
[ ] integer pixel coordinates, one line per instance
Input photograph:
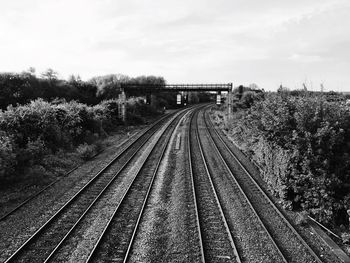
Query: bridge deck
(179, 87)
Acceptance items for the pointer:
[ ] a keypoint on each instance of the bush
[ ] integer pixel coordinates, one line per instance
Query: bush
(301, 218)
(302, 143)
(78, 120)
(98, 146)
(106, 113)
(32, 153)
(7, 156)
(37, 120)
(138, 107)
(86, 151)
(134, 119)
(29, 132)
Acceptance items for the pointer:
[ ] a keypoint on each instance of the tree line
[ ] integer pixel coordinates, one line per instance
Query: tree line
(42, 116)
(21, 88)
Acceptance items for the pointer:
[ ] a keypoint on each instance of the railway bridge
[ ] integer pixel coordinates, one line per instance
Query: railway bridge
(156, 88)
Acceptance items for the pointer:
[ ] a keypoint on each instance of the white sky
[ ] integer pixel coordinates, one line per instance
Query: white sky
(199, 41)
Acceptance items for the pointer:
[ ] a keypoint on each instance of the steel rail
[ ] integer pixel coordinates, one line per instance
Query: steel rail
(89, 183)
(27, 200)
(285, 220)
(325, 228)
(105, 230)
(97, 198)
(189, 148)
(149, 189)
(218, 204)
(245, 197)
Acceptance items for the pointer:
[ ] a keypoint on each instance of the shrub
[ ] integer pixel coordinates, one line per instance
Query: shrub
(37, 120)
(98, 146)
(32, 153)
(106, 115)
(29, 132)
(134, 119)
(302, 143)
(86, 151)
(301, 218)
(345, 238)
(7, 156)
(78, 120)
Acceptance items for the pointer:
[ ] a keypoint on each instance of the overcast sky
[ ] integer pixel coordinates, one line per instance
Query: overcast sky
(198, 41)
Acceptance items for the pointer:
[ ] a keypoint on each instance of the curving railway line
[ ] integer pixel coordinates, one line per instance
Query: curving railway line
(44, 243)
(232, 218)
(291, 246)
(117, 238)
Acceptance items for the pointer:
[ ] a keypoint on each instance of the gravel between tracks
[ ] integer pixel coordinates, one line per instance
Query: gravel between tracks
(168, 232)
(57, 165)
(244, 225)
(77, 247)
(20, 226)
(216, 240)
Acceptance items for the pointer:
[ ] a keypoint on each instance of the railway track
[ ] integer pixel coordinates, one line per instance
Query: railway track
(116, 241)
(291, 246)
(125, 145)
(245, 224)
(235, 219)
(216, 240)
(45, 241)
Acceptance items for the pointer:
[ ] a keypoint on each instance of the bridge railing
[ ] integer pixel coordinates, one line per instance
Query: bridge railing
(178, 87)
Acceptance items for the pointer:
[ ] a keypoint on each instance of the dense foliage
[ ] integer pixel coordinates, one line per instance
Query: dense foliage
(44, 115)
(21, 88)
(29, 132)
(108, 86)
(302, 144)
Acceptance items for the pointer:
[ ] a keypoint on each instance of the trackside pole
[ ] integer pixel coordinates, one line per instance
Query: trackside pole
(229, 101)
(148, 98)
(122, 105)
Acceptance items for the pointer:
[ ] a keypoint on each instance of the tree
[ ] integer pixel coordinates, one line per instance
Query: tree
(30, 71)
(50, 74)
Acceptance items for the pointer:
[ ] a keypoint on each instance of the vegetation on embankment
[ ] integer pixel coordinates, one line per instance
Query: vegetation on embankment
(30, 133)
(301, 141)
(45, 119)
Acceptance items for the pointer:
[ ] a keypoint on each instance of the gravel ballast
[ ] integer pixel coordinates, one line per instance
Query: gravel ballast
(216, 237)
(294, 249)
(244, 224)
(19, 226)
(78, 246)
(168, 232)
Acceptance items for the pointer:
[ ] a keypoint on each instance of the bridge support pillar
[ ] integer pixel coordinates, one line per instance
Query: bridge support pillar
(218, 98)
(178, 98)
